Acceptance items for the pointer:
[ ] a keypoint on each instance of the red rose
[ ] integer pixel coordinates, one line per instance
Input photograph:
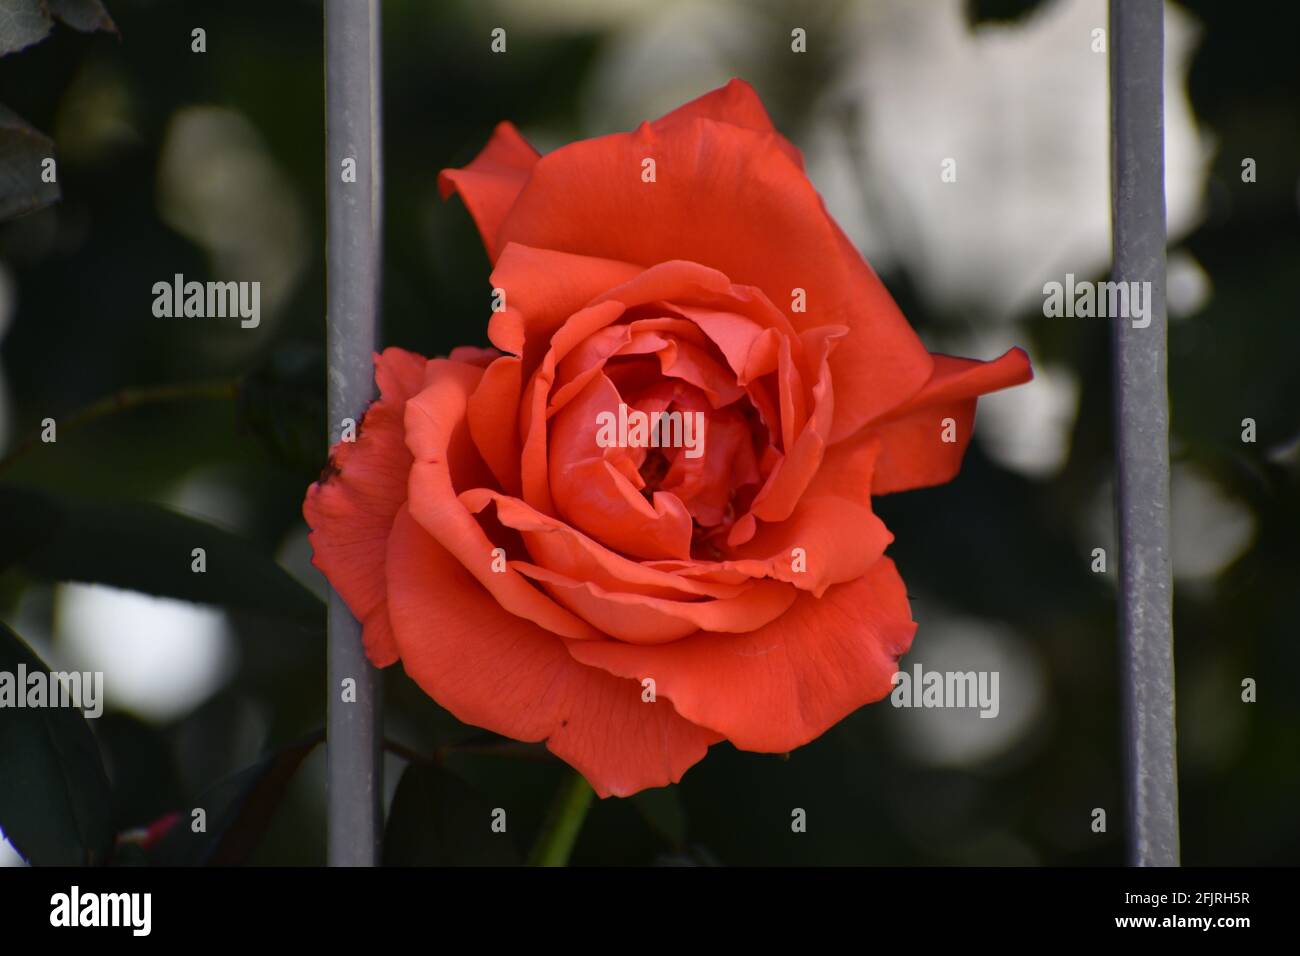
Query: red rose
(534, 572)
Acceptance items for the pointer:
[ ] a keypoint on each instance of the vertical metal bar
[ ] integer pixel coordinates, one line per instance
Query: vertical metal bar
(1142, 432)
(354, 779)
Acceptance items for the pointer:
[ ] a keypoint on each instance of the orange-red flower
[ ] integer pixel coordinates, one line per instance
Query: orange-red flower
(632, 605)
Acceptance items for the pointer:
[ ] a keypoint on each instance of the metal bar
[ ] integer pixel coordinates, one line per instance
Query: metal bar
(354, 771)
(1142, 432)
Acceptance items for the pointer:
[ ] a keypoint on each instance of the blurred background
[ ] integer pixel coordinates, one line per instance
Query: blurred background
(212, 165)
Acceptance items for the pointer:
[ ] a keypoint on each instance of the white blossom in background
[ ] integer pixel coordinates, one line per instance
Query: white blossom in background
(219, 186)
(160, 657)
(1023, 110)
(1188, 287)
(960, 737)
(1027, 429)
(213, 494)
(1021, 107)
(8, 855)
(1209, 529)
(294, 555)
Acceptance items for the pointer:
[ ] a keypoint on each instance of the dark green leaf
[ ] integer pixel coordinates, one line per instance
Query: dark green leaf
(84, 15)
(282, 403)
(238, 811)
(54, 794)
(144, 547)
(22, 151)
(439, 820)
(22, 23)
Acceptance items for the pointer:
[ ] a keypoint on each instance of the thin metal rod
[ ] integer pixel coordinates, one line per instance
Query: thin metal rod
(1142, 431)
(354, 769)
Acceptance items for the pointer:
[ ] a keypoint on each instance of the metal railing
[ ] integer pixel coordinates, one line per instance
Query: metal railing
(352, 51)
(1142, 433)
(354, 730)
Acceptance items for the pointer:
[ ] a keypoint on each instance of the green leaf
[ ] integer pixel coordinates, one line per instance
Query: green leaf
(238, 811)
(282, 404)
(438, 820)
(22, 150)
(84, 15)
(144, 547)
(22, 23)
(54, 795)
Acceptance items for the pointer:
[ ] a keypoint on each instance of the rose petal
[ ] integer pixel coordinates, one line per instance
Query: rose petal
(444, 459)
(543, 289)
(792, 474)
(593, 495)
(833, 525)
(351, 511)
(913, 453)
(737, 104)
(728, 198)
(494, 670)
(488, 185)
(535, 475)
(650, 620)
(493, 418)
(559, 546)
(474, 355)
(785, 684)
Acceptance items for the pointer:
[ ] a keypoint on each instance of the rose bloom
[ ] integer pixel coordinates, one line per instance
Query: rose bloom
(632, 605)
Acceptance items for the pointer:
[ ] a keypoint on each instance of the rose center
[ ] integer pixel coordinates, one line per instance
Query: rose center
(653, 470)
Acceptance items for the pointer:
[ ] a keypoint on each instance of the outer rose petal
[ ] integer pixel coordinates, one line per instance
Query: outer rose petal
(737, 104)
(560, 547)
(474, 355)
(498, 671)
(912, 453)
(351, 511)
(491, 182)
(785, 684)
(861, 364)
(639, 619)
(437, 435)
(729, 198)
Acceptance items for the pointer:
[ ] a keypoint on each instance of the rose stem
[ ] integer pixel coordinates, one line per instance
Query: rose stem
(563, 823)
